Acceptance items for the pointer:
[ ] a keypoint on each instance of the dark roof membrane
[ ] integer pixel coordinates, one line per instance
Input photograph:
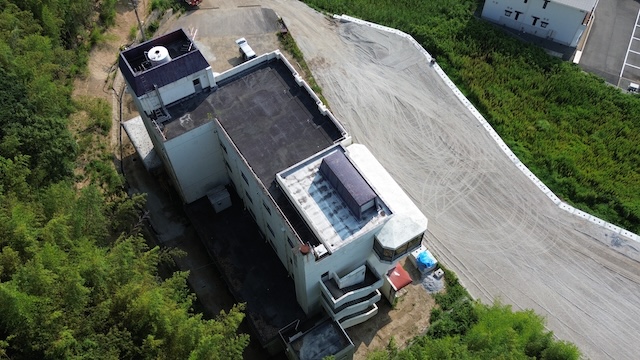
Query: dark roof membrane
(186, 59)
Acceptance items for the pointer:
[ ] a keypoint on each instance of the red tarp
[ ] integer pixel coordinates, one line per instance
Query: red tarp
(399, 277)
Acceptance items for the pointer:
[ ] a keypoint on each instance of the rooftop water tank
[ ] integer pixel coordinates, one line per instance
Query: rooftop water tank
(158, 55)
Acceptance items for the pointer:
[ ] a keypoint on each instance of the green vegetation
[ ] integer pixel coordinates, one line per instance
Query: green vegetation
(291, 47)
(163, 5)
(580, 136)
(464, 329)
(77, 279)
(151, 28)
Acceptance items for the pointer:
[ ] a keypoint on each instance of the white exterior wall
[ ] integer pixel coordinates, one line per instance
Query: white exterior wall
(382, 266)
(344, 260)
(176, 90)
(196, 159)
(564, 22)
(283, 236)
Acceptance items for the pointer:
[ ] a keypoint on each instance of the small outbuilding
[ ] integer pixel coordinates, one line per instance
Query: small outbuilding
(562, 21)
(396, 279)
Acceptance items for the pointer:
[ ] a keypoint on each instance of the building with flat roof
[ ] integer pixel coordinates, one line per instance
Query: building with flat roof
(562, 21)
(334, 217)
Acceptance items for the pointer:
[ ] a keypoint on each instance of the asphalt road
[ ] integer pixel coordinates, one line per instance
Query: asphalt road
(504, 238)
(606, 47)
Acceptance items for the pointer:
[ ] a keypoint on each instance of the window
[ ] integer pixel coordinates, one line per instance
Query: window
(252, 214)
(290, 242)
(414, 243)
(244, 178)
(266, 207)
(271, 230)
(391, 254)
(248, 196)
(196, 82)
(402, 249)
(224, 148)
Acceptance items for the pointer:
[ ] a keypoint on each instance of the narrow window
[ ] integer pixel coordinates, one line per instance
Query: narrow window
(248, 196)
(224, 148)
(535, 20)
(518, 13)
(266, 207)
(244, 178)
(290, 242)
(544, 6)
(271, 230)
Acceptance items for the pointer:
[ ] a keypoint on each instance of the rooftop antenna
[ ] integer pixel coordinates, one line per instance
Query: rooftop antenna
(192, 37)
(134, 3)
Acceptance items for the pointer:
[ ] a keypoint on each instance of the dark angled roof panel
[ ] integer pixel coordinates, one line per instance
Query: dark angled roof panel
(347, 181)
(186, 59)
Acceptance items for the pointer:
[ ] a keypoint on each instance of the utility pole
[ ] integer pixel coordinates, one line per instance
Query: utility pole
(135, 9)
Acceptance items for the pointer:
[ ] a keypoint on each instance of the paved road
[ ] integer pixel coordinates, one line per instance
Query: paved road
(608, 41)
(488, 222)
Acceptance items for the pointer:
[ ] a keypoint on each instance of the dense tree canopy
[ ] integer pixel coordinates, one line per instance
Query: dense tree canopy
(579, 135)
(77, 279)
(64, 296)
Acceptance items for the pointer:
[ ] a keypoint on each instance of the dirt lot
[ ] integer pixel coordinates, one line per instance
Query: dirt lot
(488, 222)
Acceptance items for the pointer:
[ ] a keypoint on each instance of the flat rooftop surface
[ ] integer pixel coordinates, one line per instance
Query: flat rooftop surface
(325, 210)
(187, 114)
(323, 340)
(250, 267)
(273, 122)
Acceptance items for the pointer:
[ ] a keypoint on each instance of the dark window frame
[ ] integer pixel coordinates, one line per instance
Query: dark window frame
(390, 255)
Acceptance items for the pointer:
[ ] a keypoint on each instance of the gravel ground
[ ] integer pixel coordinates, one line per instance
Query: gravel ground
(503, 237)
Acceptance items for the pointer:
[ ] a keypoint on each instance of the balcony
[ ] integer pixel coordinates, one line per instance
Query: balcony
(360, 317)
(337, 296)
(353, 307)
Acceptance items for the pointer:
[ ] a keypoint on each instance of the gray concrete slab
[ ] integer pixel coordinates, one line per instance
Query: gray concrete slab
(141, 141)
(606, 47)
